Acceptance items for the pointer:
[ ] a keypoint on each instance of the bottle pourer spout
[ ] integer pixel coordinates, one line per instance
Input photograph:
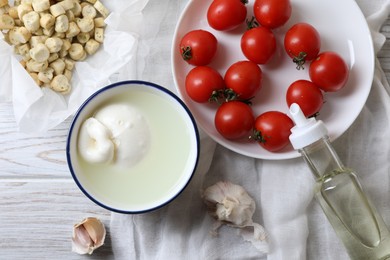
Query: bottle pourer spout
(297, 115)
(306, 130)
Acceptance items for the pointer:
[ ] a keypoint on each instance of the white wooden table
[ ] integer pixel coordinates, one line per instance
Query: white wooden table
(39, 202)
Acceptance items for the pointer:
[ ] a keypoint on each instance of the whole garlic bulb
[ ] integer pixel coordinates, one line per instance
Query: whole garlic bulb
(230, 204)
(88, 235)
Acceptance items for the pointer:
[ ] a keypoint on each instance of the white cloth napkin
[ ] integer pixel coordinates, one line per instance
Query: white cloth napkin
(296, 225)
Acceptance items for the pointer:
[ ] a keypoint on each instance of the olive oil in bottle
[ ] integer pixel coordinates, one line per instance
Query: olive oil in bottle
(353, 217)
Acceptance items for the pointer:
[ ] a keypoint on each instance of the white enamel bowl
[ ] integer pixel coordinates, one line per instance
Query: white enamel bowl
(116, 191)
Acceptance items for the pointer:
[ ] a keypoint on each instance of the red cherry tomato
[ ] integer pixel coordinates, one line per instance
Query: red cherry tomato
(329, 71)
(302, 43)
(201, 82)
(244, 78)
(224, 15)
(198, 47)
(258, 44)
(272, 13)
(272, 130)
(307, 95)
(234, 120)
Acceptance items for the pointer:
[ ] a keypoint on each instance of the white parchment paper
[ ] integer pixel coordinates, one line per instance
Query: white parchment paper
(40, 109)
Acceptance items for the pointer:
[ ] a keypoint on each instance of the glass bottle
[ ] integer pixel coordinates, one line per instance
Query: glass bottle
(353, 217)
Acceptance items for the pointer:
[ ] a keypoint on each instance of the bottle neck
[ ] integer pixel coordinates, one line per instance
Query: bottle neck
(321, 157)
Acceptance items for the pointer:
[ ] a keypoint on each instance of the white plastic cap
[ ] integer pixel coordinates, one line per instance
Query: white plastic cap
(306, 130)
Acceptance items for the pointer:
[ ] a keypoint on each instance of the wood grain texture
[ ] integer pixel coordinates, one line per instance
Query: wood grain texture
(37, 219)
(39, 202)
(31, 155)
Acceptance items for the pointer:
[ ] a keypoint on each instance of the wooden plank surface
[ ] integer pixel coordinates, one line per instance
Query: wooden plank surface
(37, 219)
(31, 155)
(39, 203)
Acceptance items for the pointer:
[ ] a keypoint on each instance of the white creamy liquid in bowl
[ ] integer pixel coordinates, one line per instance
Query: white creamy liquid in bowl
(159, 173)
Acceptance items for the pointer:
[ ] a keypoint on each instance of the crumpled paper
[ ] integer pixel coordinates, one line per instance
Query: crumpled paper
(40, 109)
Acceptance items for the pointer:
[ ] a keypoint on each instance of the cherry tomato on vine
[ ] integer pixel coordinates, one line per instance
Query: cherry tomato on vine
(244, 78)
(307, 95)
(198, 47)
(302, 43)
(234, 120)
(329, 71)
(224, 15)
(272, 130)
(272, 13)
(201, 82)
(258, 44)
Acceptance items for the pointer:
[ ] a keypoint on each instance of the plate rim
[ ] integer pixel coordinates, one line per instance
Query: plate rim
(291, 154)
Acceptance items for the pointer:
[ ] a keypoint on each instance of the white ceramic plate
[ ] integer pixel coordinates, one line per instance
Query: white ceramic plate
(342, 28)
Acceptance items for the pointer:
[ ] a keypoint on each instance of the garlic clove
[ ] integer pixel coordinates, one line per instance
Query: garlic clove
(82, 243)
(96, 230)
(88, 235)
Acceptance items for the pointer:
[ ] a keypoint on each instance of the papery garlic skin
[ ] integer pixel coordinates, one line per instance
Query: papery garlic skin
(88, 235)
(230, 204)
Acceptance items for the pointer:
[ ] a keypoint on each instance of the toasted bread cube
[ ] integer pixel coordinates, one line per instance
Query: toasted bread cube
(62, 24)
(6, 22)
(31, 21)
(40, 5)
(47, 21)
(46, 76)
(57, 10)
(92, 46)
(60, 83)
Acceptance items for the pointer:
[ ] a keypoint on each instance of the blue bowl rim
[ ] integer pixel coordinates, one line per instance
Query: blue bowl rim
(98, 92)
